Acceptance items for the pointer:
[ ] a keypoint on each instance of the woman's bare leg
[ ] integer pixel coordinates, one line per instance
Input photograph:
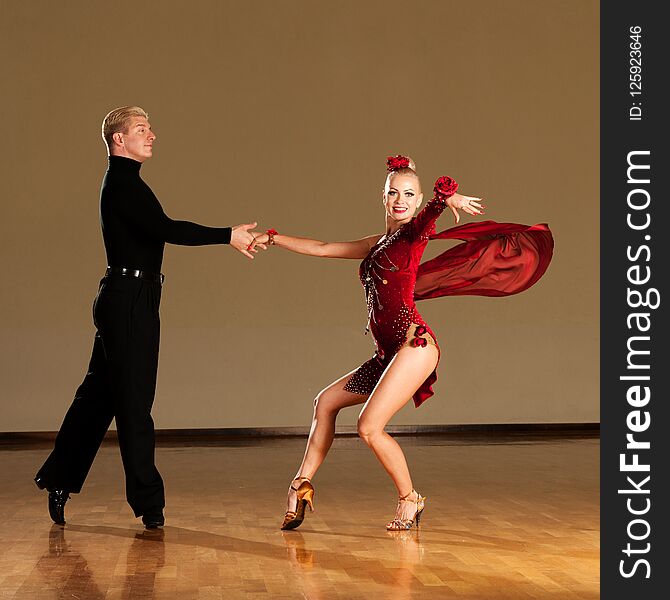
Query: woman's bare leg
(327, 405)
(407, 371)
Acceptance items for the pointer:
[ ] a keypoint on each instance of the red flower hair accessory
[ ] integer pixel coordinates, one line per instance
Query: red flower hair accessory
(420, 330)
(444, 187)
(393, 163)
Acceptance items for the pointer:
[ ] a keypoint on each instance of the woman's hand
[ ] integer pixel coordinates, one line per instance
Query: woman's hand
(260, 237)
(468, 204)
(260, 240)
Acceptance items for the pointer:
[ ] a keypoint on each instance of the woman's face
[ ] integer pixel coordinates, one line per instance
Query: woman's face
(402, 196)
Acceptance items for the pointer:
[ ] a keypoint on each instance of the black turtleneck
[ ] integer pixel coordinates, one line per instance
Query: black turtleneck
(134, 226)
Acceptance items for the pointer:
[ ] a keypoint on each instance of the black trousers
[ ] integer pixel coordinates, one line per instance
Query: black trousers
(120, 383)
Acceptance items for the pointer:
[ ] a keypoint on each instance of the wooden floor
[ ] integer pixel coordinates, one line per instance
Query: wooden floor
(508, 518)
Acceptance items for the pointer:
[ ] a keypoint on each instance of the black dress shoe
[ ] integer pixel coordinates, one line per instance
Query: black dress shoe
(153, 520)
(57, 500)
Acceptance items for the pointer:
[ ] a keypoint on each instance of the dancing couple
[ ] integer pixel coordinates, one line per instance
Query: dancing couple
(494, 259)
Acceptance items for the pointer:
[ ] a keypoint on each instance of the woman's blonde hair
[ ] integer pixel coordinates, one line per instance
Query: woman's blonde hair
(117, 120)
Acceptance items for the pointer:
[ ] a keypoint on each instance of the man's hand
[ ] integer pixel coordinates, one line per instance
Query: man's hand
(243, 240)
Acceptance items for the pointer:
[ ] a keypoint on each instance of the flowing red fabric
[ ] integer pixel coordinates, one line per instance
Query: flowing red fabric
(495, 259)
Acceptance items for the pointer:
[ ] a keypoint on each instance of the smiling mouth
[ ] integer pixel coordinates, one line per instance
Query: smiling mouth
(399, 209)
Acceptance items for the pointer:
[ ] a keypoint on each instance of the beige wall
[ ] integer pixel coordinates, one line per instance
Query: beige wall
(284, 111)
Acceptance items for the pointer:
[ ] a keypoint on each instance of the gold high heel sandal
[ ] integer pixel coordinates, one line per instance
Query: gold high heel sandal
(305, 497)
(399, 524)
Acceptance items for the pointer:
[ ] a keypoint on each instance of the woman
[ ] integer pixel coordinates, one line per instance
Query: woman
(407, 354)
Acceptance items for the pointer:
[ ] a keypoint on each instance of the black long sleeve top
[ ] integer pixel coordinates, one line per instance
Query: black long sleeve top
(135, 228)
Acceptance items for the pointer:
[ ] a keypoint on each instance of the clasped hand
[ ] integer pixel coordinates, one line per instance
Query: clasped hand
(247, 242)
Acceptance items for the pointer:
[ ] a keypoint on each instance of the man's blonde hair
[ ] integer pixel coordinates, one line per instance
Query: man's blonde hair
(118, 120)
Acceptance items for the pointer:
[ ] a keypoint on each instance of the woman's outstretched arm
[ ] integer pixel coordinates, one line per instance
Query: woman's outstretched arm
(354, 249)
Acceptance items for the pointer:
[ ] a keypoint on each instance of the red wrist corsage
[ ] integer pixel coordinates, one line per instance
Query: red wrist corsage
(393, 163)
(271, 236)
(445, 187)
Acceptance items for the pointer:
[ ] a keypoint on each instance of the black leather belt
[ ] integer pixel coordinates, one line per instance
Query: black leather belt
(155, 277)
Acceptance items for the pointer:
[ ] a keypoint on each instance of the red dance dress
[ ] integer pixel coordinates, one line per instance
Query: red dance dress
(495, 259)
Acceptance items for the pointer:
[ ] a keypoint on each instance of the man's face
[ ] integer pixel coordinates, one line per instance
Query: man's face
(138, 142)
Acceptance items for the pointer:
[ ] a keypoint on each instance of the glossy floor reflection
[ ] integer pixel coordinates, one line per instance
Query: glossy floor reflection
(505, 518)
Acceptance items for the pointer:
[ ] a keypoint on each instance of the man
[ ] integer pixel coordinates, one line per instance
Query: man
(121, 378)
